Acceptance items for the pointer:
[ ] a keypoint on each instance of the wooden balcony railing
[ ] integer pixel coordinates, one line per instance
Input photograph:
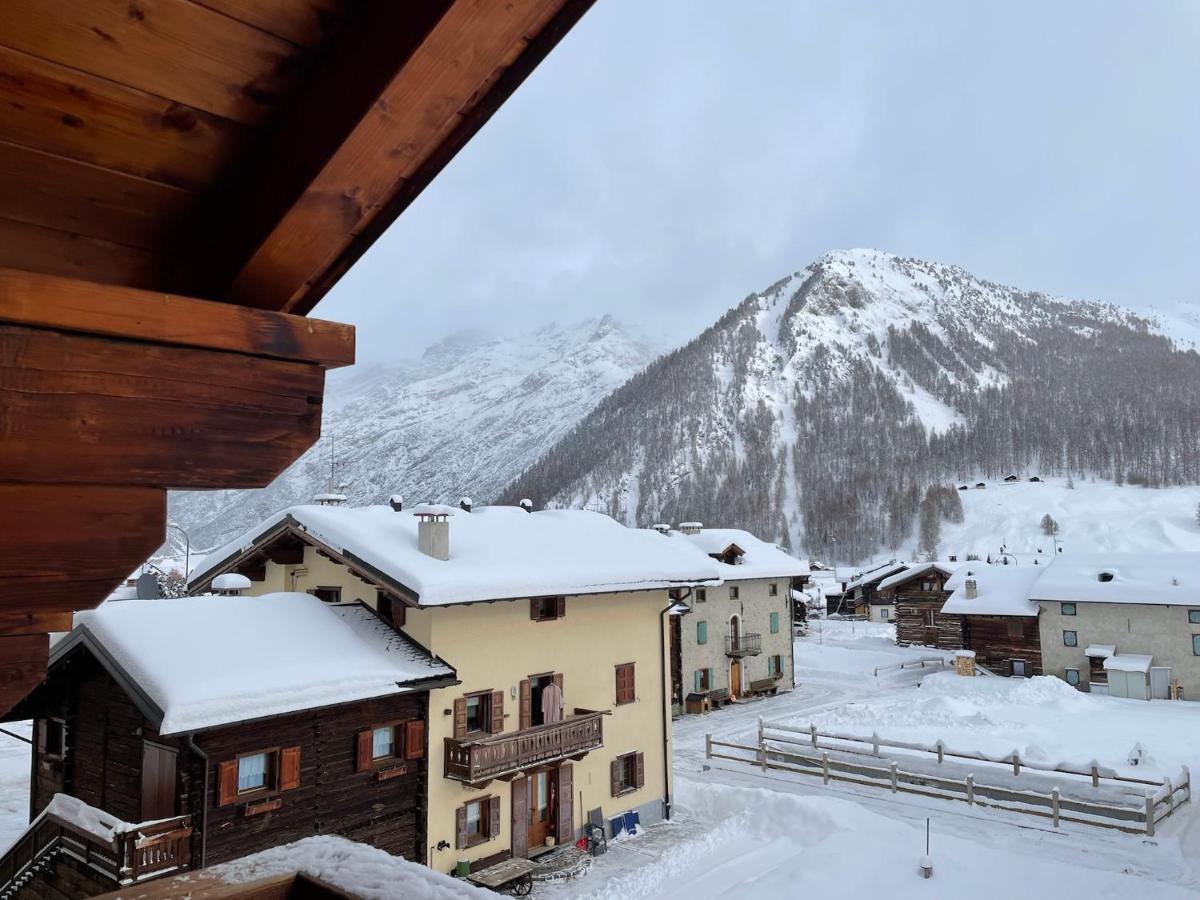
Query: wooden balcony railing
(135, 853)
(496, 755)
(743, 645)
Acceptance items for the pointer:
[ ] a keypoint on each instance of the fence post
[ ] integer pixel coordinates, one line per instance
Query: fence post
(875, 743)
(1187, 782)
(762, 754)
(1016, 760)
(941, 749)
(1095, 774)
(812, 730)
(1170, 792)
(970, 789)
(825, 767)
(1149, 814)
(708, 746)
(894, 784)
(1054, 805)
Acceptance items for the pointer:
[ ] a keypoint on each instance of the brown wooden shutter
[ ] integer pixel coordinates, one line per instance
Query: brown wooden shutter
(497, 712)
(526, 718)
(562, 607)
(460, 718)
(289, 768)
(565, 830)
(364, 751)
(614, 776)
(625, 685)
(460, 828)
(493, 805)
(414, 739)
(520, 818)
(41, 737)
(641, 769)
(227, 782)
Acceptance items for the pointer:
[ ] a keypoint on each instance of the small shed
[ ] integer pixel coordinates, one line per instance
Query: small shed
(1128, 675)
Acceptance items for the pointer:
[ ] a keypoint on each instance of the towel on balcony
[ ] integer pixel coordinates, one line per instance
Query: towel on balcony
(552, 703)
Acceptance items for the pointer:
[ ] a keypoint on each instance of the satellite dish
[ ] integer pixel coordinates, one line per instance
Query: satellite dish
(147, 587)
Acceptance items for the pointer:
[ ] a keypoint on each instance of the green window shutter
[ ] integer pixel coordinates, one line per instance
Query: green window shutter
(701, 632)
(696, 679)
(774, 623)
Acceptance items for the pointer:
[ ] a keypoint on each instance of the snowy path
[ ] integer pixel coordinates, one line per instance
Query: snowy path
(14, 783)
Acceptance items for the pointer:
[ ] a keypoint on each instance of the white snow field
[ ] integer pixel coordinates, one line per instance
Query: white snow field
(14, 782)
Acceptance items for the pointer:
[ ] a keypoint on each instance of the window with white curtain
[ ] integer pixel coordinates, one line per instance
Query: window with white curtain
(252, 772)
(383, 742)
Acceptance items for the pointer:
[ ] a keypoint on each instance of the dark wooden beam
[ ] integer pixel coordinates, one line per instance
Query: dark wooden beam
(365, 142)
(77, 409)
(47, 301)
(22, 667)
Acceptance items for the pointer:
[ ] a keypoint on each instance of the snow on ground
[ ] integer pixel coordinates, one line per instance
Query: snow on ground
(14, 782)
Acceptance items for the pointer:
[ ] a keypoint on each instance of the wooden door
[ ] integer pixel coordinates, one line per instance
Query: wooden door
(931, 631)
(520, 818)
(158, 782)
(537, 786)
(735, 679)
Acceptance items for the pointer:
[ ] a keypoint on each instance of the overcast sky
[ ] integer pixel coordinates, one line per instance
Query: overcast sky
(672, 156)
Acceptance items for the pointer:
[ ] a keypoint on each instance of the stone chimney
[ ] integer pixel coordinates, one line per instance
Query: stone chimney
(691, 527)
(396, 502)
(527, 505)
(971, 589)
(465, 504)
(433, 530)
(329, 499)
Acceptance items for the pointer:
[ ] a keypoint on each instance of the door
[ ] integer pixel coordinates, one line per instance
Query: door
(1160, 682)
(735, 679)
(158, 782)
(537, 786)
(931, 633)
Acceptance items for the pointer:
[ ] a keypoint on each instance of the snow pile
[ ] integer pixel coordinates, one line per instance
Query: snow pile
(213, 660)
(88, 819)
(361, 871)
(496, 552)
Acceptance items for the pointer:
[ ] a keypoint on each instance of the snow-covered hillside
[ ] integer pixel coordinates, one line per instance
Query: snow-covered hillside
(464, 419)
(818, 411)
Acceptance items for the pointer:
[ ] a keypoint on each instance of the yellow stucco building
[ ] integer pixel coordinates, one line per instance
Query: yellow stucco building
(556, 624)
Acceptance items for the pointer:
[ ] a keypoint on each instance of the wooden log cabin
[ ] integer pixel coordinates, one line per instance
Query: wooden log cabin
(919, 593)
(999, 621)
(863, 590)
(181, 181)
(242, 722)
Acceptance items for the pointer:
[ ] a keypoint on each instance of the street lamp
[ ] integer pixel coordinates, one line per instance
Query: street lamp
(187, 550)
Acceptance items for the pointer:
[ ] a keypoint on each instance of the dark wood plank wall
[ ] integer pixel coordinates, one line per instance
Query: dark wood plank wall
(103, 767)
(910, 621)
(997, 640)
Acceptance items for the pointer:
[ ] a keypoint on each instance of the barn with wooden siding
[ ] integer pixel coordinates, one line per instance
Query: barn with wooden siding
(919, 593)
(999, 621)
(250, 721)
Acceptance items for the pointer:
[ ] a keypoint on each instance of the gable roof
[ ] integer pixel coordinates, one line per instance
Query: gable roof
(195, 663)
(876, 574)
(999, 590)
(915, 571)
(1171, 579)
(757, 558)
(496, 553)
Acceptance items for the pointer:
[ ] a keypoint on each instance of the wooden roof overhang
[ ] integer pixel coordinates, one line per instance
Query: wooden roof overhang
(180, 182)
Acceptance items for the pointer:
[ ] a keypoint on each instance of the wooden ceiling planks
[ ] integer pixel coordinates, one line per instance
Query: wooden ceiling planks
(306, 23)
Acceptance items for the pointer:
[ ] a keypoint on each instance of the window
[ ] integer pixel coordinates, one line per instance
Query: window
(1070, 639)
(383, 742)
(775, 665)
(701, 595)
(625, 683)
(1067, 609)
(1105, 577)
(1196, 644)
(928, 586)
(252, 772)
(381, 746)
(703, 680)
(1015, 628)
(772, 590)
(1073, 677)
(774, 623)
(701, 632)
(327, 594)
(733, 592)
(930, 616)
(628, 773)
(477, 821)
(479, 712)
(545, 609)
(1194, 616)
(53, 738)
(883, 614)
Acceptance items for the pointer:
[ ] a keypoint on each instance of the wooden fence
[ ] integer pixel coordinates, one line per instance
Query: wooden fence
(789, 749)
(934, 662)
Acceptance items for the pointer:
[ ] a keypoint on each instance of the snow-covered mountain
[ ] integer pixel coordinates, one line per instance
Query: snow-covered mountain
(464, 419)
(819, 411)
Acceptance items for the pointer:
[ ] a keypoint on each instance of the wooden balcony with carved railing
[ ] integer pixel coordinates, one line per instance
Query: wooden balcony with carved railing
(743, 645)
(500, 755)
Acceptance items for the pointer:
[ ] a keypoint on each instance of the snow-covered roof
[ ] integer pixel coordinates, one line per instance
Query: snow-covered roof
(1100, 651)
(915, 571)
(1128, 662)
(758, 559)
(496, 552)
(999, 590)
(199, 662)
(876, 574)
(1171, 579)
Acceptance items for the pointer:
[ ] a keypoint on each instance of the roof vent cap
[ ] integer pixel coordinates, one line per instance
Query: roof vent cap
(527, 505)
(465, 504)
(1105, 577)
(329, 499)
(662, 528)
(691, 527)
(396, 501)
